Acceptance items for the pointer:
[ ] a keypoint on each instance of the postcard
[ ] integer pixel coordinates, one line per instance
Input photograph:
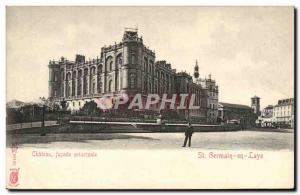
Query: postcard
(150, 97)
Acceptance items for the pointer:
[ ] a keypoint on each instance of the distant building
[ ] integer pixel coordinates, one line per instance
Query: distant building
(283, 112)
(266, 117)
(14, 104)
(238, 113)
(255, 105)
(267, 112)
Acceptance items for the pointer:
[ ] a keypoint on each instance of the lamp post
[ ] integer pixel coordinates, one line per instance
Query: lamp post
(43, 132)
(188, 100)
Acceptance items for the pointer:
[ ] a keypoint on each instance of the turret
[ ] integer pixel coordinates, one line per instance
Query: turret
(53, 79)
(196, 70)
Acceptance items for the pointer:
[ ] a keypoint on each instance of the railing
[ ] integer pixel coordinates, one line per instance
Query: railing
(29, 125)
(86, 96)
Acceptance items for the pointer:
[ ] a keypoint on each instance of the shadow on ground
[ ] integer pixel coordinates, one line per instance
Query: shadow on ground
(20, 139)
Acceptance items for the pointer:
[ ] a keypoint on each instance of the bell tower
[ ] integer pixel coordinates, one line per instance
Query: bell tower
(255, 104)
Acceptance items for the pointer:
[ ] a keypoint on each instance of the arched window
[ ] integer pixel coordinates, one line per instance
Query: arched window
(62, 90)
(55, 77)
(145, 86)
(157, 74)
(99, 87)
(151, 67)
(155, 87)
(79, 88)
(109, 63)
(145, 64)
(69, 91)
(100, 68)
(110, 86)
(68, 76)
(150, 87)
(62, 75)
(111, 66)
(86, 71)
(80, 73)
(119, 61)
(73, 88)
(74, 75)
(93, 70)
(132, 81)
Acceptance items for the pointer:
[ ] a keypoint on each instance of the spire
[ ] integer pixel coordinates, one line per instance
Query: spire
(196, 70)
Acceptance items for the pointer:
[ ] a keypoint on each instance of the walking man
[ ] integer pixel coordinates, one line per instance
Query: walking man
(188, 134)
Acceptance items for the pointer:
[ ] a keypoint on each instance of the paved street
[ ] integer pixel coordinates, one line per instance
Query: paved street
(257, 140)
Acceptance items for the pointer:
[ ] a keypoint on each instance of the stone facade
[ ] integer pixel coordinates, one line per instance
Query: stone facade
(212, 90)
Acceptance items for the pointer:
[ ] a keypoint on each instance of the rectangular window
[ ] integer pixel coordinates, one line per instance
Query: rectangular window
(132, 59)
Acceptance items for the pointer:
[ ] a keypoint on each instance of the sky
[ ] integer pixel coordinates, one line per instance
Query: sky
(247, 50)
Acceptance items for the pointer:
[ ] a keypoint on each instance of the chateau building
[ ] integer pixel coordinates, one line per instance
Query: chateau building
(128, 67)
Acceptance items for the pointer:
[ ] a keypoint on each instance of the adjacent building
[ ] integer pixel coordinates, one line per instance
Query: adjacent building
(266, 117)
(267, 112)
(237, 113)
(283, 113)
(212, 90)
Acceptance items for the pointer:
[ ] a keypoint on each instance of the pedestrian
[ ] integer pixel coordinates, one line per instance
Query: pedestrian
(188, 134)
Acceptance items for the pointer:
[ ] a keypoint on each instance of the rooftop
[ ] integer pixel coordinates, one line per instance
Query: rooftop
(256, 97)
(283, 102)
